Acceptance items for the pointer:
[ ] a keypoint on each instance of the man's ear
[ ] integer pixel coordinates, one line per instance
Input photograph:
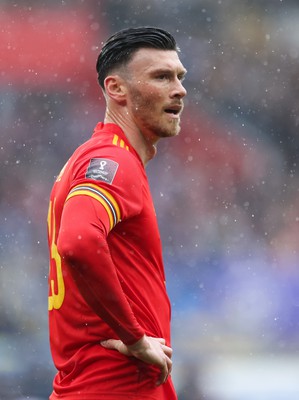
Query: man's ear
(115, 88)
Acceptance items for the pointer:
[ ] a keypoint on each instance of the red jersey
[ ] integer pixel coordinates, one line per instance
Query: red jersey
(117, 288)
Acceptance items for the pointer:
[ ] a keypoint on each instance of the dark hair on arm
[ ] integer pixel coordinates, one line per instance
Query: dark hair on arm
(120, 47)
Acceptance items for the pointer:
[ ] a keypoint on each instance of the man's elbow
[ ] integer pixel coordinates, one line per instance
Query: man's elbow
(76, 247)
(71, 246)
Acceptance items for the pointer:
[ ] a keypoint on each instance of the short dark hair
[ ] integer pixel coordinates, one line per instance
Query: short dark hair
(121, 46)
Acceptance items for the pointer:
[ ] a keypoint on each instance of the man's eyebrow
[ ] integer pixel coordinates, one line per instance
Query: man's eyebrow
(168, 70)
(161, 70)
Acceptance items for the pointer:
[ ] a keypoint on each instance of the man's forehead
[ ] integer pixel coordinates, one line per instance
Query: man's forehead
(156, 58)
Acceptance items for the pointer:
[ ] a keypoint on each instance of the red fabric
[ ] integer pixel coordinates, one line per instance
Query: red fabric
(106, 274)
(90, 262)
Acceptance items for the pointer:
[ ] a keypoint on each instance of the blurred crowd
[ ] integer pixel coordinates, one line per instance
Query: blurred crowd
(225, 190)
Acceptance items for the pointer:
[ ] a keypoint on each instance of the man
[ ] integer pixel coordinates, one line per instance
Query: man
(109, 314)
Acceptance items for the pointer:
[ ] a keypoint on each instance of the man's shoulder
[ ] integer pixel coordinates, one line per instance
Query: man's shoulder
(110, 147)
(105, 153)
(106, 139)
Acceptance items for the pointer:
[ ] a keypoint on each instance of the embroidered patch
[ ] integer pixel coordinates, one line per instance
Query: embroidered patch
(102, 169)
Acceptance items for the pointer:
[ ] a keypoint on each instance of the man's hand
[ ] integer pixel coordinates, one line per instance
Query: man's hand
(148, 349)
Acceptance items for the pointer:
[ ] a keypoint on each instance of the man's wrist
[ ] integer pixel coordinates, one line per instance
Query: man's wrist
(140, 344)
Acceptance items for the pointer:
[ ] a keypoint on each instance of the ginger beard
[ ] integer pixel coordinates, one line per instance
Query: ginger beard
(152, 115)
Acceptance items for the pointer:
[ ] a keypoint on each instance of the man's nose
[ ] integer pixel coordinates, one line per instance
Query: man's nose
(179, 89)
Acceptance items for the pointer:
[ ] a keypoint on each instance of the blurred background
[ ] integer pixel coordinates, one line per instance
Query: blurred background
(226, 189)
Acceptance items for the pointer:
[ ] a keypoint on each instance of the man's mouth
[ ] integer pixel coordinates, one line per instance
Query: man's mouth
(174, 110)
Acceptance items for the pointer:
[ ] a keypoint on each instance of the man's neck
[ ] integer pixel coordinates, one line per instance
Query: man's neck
(146, 148)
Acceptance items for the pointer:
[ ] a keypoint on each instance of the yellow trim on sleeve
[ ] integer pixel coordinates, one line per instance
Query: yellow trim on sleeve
(96, 197)
(102, 196)
(110, 198)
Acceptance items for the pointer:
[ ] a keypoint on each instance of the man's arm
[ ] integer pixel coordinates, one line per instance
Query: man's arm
(82, 243)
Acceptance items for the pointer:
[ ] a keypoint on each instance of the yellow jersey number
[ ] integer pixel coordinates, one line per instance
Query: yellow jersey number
(56, 298)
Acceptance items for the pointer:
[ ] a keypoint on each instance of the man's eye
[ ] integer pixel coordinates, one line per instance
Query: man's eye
(162, 77)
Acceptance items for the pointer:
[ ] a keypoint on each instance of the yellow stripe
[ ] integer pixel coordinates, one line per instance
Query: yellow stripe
(108, 195)
(115, 140)
(100, 199)
(119, 142)
(96, 197)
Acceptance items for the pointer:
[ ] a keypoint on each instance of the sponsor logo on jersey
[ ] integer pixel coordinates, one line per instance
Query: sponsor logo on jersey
(102, 169)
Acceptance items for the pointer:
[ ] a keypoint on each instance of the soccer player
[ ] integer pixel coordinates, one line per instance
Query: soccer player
(109, 313)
